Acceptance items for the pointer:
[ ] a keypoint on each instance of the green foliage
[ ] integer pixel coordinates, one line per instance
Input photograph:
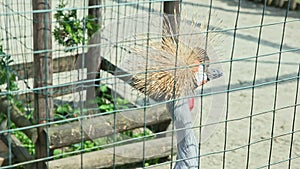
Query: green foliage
(140, 134)
(27, 143)
(88, 146)
(7, 76)
(152, 162)
(106, 101)
(64, 111)
(71, 31)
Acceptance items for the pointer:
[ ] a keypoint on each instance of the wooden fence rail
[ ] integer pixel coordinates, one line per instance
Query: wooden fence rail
(154, 149)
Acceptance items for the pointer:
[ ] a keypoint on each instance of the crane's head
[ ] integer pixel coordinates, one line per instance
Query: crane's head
(203, 73)
(164, 80)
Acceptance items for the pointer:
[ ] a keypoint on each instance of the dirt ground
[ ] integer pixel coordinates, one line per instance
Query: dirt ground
(226, 115)
(269, 103)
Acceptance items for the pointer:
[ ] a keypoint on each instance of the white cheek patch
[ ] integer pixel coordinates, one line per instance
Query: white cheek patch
(201, 76)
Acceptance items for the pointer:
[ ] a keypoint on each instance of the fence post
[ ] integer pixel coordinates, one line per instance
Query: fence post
(43, 103)
(293, 4)
(92, 58)
(95, 12)
(172, 11)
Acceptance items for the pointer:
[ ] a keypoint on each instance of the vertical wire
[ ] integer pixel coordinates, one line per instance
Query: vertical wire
(173, 121)
(201, 93)
(46, 47)
(174, 94)
(136, 23)
(82, 88)
(253, 83)
(121, 53)
(18, 30)
(174, 86)
(146, 82)
(276, 86)
(26, 76)
(294, 118)
(115, 81)
(137, 8)
(229, 83)
(9, 142)
(176, 16)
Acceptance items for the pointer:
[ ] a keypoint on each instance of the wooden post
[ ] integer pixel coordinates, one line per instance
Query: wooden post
(43, 103)
(172, 18)
(92, 58)
(95, 12)
(269, 2)
(293, 4)
(171, 7)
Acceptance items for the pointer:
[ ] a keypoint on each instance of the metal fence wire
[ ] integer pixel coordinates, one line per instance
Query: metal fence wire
(149, 84)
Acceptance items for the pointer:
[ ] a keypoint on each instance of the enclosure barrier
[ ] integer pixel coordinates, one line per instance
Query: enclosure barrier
(245, 121)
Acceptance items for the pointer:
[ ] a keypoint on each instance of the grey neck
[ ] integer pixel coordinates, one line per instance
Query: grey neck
(187, 144)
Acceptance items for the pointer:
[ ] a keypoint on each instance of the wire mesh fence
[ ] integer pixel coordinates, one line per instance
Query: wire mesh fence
(149, 84)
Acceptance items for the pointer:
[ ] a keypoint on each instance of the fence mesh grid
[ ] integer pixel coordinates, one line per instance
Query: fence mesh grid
(77, 62)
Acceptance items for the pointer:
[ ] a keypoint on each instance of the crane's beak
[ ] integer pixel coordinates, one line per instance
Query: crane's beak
(213, 73)
(204, 75)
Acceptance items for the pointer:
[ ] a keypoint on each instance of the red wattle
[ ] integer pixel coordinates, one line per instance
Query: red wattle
(191, 103)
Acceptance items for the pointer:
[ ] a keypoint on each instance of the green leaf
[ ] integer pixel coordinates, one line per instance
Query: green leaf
(103, 88)
(106, 107)
(57, 152)
(68, 29)
(89, 25)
